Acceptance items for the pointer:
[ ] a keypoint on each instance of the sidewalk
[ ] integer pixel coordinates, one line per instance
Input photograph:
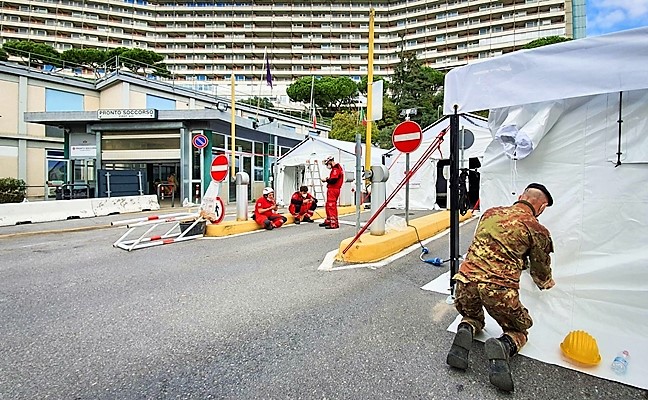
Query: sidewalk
(83, 224)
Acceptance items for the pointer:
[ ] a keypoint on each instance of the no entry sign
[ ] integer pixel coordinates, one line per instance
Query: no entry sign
(407, 136)
(219, 168)
(199, 141)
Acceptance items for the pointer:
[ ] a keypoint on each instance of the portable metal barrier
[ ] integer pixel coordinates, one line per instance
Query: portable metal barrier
(171, 235)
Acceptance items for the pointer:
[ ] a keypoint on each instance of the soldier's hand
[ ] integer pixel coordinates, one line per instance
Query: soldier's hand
(548, 285)
(323, 179)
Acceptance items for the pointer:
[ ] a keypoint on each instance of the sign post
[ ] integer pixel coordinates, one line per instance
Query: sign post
(200, 141)
(407, 137)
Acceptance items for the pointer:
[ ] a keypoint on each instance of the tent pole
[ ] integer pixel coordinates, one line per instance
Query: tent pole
(454, 198)
(619, 121)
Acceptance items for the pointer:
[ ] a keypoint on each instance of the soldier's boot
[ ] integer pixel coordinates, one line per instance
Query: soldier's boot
(460, 349)
(498, 352)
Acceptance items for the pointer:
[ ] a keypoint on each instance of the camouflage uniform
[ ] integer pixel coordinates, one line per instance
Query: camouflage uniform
(507, 241)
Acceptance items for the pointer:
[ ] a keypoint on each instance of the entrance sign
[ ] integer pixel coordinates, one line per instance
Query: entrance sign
(219, 168)
(407, 136)
(127, 113)
(200, 141)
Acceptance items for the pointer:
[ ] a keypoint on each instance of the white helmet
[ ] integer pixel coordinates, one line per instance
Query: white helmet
(328, 159)
(267, 191)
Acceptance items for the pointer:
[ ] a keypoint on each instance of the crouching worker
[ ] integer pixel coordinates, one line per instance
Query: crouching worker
(265, 211)
(302, 205)
(507, 241)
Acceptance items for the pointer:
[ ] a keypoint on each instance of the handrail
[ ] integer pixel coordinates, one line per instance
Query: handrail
(72, 185)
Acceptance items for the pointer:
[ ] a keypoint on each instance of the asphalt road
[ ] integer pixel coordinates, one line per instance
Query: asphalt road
(245, 317)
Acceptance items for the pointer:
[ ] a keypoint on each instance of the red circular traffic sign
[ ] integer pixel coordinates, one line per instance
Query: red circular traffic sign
(219, 168)
(200, 141)
(219, 211)
(407, 136)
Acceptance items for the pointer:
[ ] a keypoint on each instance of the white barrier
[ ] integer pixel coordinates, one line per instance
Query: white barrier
(46, 211)
(123, 205)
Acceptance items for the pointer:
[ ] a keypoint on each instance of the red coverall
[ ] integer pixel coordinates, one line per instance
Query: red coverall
(300, 208)
(273, 218)
(333, 184)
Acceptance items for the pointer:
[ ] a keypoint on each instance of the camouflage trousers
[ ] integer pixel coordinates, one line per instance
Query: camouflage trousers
(501, 303)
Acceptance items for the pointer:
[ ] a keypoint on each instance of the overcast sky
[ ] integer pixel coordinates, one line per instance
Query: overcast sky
(605, 16)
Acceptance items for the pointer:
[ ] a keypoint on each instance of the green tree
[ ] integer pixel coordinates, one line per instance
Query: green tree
(3, 55)
(345, 125)
(416, 86)
(92, 58)
(329, 93)
(545, 41)
(34, 53)
(362, 85)
(138, 60)
(261, 102)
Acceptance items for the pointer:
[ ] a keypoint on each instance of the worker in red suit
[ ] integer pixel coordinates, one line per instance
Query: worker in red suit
(302, 205)
(333, 185)
(265, 211)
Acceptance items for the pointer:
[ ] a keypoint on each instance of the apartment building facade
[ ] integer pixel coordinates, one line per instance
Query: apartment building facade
(205, 41)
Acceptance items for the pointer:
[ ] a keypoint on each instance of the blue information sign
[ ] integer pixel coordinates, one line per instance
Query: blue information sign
(199, 141)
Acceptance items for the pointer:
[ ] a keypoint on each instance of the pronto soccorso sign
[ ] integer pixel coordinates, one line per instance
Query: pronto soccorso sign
(127, 113)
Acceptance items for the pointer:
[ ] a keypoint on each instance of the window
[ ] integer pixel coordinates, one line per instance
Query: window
(160, 103)
(58, 100)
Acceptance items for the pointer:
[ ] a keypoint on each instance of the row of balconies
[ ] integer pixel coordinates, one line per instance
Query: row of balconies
(475, 8)
(130, 31)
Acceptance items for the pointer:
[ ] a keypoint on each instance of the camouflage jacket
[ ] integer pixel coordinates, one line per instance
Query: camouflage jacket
(507, 241)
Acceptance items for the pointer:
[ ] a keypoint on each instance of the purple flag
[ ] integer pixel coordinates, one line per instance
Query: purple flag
(268, 73)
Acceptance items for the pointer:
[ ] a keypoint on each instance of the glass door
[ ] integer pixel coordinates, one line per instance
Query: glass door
(247, 167)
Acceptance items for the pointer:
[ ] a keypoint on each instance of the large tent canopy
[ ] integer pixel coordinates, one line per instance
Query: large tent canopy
(574, 116)
(291, 167)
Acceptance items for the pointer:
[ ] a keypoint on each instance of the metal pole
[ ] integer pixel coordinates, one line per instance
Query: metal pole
(242, 181)
(108, 184)
(370, 59)
(233, 128)
(358, 184)
(454, 198)
(139, 178)
(407, 192)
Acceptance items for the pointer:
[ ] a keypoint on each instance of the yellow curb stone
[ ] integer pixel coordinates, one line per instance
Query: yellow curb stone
(370, 248)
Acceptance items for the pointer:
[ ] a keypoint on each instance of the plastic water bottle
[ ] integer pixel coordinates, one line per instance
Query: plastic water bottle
(620, 363)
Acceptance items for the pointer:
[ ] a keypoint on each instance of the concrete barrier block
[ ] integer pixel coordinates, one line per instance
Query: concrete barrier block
(123, 205)
(44, 211)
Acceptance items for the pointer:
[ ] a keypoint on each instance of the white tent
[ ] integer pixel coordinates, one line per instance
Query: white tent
(290, 168)
(558, 111)
(427, 181)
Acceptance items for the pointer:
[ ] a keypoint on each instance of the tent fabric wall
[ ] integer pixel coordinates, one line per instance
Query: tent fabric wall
(316, 149)
(584, 67)
(423, 194)
(598, 222)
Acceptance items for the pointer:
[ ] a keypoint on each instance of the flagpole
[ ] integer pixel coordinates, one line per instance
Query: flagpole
(265, 57)
(233, 128)
(312, 103)
(369, 117)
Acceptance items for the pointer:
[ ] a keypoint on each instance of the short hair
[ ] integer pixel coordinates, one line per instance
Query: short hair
(303, 188)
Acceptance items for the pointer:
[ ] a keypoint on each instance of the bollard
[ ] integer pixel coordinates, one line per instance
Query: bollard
(242, 181)
(379, 176)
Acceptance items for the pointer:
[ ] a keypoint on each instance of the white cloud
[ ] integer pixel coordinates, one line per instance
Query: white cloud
(605, 21)
(632, 8)
(613, 15)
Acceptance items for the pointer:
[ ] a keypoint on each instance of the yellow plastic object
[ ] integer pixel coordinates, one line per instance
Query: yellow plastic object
(581, 347)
